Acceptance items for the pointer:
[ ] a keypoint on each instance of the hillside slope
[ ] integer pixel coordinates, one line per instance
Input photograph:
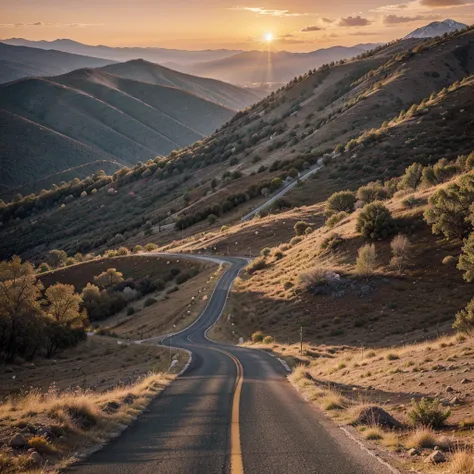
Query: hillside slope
(17, 62)
(89, 115)
(228, 95)
(366, 119)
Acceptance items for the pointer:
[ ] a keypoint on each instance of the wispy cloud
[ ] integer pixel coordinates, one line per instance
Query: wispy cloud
(311, 28)
(421, 6)
(41, 24)
(396, 19)
(351, 21)
(265, 11)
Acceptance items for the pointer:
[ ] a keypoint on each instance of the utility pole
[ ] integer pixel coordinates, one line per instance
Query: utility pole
(301, 340)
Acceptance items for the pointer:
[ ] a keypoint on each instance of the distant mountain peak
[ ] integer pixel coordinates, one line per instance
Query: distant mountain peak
(436, 28)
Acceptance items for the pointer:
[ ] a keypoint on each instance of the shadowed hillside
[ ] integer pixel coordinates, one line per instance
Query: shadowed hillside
(17, 62)
(219, 92)
(89, 115)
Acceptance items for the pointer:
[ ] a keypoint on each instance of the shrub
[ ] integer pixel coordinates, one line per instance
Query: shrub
(211, 219)
(295, 240)
(449, 209)
(257, 336)
(340, 201)
(130, 311)
(150, 247)
(375, 221)
(300, 227)
(278, 254)
(44, 267)
(366, 262)
(265, 252)
(400, 246)
(122, 251)
(182, 278)
(56, 258)
(268, 340)
(137, 248)
(41, 444)
(428, 413)
(255, 265)
(464, 321)
(335, 219)
(315, 277)
(332, 242)
(372, 192)
(308, 230)
(149, 302)
(410, 202)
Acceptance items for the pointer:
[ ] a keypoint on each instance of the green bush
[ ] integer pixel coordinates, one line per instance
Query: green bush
(295, 240)
(335, 219)
(340, 201)
(300, 227)
(255, 265)
(428, 413)
(372, 192)
(150, 247)
(375, 221)
(265, 252)
(130, 311)
(412, 178)
(257, 336)
(332, 242)
(268, 340)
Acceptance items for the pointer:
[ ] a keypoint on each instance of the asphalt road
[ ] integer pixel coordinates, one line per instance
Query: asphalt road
(232, 411)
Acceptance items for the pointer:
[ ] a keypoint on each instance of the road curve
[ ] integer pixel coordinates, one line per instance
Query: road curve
(231, 412)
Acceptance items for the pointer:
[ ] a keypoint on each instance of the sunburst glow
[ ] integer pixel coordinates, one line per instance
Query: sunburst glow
(268, 37)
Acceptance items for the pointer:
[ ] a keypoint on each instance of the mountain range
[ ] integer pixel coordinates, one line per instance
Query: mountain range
(17, 62)
(121, 54)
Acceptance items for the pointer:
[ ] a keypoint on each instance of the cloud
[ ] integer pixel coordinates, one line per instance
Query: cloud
(41, 24)
(395, 19)
(442, 3)
(264, 11)
(351, 21)
(327, 20)
(308, 29)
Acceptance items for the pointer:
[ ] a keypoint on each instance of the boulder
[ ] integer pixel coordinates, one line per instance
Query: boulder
(36, 458)
(436, 457)
(413, 452)
(449, 389)
(18, 441)
(374, 415)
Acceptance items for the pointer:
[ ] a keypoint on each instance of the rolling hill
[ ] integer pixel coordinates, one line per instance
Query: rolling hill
(121, 54)
(275, 67)
(228, 95)
(17, 62)
(89, 116)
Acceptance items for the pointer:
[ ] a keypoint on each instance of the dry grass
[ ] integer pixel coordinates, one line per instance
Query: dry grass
(462, 462)
(78, 418)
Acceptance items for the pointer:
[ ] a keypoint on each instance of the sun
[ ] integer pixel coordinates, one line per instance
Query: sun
(268, 37)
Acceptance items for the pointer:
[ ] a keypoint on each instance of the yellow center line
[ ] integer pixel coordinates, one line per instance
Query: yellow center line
(236, 463)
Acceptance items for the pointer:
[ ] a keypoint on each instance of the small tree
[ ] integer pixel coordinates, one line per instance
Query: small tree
(375, 221)
(465, 319)
(64, 304)
(449, 209)
(400, 246)
(300, 227)
(56, 258)
(366, 262)
(412, 177)
(108, 278)
(340, 201)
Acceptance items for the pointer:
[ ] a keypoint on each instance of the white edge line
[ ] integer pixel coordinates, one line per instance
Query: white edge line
(369, 451)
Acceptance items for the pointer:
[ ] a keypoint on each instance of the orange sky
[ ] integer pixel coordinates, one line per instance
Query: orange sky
(297, 25)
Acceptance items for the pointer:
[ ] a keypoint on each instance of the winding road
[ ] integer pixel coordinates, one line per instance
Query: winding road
(232, 411)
